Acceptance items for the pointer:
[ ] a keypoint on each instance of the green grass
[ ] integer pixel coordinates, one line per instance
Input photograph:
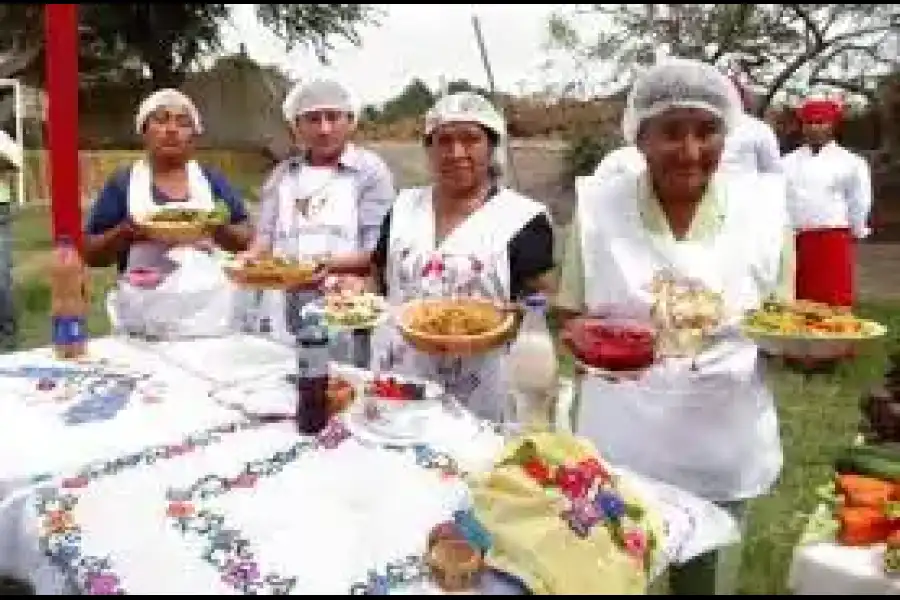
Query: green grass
(819, 414)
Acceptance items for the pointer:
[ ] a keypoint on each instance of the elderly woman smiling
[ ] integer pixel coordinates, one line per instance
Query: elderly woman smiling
(711, 427)
(465, 234)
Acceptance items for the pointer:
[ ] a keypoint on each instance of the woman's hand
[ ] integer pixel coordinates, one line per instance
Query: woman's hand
(351, 284)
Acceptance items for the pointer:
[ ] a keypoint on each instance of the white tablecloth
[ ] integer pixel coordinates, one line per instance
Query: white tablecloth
(58, 416)
(316, 518)
(827, 568)
(317, 523)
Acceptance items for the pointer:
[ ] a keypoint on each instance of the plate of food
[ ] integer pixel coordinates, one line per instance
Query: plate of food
(610, 348)
(455, 326)
(275, 272)
(805, 329)
(174, 225)
(354, 311)
(396, 407)
(687, 315)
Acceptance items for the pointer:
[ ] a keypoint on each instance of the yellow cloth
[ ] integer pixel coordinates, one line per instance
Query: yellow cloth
(532, 541)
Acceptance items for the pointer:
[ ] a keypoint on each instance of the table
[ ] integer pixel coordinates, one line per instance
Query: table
(225, 507)
(823, 567)
(60, 415)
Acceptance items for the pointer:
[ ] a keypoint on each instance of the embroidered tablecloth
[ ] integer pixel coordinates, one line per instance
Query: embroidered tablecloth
(252, 509)
(59, 415)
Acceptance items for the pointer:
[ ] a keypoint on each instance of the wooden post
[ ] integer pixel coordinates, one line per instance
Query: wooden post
(61, 49)
(479, 39)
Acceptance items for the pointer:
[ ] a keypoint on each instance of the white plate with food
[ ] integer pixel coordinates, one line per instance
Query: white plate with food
(395, 408)
(809, 330)
(351, 311)
(687, 315)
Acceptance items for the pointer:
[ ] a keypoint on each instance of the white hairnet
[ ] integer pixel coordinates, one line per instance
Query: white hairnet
(465, 107)
(318, 94)
(680, 83)
(166, 98)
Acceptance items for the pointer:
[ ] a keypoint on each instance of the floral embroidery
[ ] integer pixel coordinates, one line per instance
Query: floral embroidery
(593, 498)
(395, 574)
(92, 393)
(60, 537)
(225, 549)
(230, 552)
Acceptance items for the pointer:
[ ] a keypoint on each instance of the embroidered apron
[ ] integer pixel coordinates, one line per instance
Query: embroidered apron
(317, 215)
(712, 431)
(194, 298)
(471, 261)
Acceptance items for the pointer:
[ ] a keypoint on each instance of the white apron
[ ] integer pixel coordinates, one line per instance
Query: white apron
(194, 298)
(713, 432)
(471, 261)
(317, 215)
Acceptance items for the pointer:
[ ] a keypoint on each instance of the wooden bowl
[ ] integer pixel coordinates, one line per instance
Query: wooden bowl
(308, 277)
(340, 395)
(500, 332)
(455, 565)
(179, 234)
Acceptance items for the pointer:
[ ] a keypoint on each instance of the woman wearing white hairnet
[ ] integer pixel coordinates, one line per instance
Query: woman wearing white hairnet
(464, 234)
(329, 199)
(193, 297)
(709, 427)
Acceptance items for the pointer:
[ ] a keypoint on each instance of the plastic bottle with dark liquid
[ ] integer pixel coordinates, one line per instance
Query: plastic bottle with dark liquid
(312, 376)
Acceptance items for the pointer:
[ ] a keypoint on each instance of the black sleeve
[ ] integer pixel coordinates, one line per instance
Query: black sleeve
(380, 254)
(530, 254)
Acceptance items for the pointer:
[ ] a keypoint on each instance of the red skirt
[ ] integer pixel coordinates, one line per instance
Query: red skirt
(825, 265)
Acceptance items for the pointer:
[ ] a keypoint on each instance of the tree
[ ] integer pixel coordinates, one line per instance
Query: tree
(169, 40)
(781, 48)
(413, 101)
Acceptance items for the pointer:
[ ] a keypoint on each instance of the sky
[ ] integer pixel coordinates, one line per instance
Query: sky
(425, 41)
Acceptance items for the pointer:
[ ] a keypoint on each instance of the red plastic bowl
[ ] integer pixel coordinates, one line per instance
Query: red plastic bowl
(611, 345)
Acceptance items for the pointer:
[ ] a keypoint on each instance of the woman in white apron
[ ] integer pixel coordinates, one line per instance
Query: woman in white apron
(193, 296)
(327, 202)
(464, 235)
(709, 427)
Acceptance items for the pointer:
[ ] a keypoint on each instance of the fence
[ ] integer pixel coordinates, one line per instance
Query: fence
(243, 167)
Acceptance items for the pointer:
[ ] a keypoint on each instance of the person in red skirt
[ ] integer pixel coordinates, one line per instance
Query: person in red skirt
(829, 200)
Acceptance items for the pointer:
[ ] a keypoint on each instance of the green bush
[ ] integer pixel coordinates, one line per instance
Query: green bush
(584, 151)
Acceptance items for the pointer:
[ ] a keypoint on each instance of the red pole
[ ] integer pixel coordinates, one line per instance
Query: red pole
(61, 54)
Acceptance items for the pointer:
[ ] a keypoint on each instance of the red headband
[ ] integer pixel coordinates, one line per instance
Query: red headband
(820, 111)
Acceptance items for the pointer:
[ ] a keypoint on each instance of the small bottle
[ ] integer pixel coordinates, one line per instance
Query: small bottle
(532, 369)
(70, 301)
(312, 377)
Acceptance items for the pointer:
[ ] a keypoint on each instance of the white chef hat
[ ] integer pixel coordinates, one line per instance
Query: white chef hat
(167, 97)
(680, 83)
(465, 107)
(319, 94)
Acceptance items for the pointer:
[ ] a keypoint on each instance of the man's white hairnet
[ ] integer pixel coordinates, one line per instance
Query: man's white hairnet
(318, 94)
(166, 98)
(680, 83)
(465, 107)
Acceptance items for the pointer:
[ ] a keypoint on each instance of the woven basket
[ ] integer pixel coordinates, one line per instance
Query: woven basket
(454, 345)
(281, 279)
(174, 233)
